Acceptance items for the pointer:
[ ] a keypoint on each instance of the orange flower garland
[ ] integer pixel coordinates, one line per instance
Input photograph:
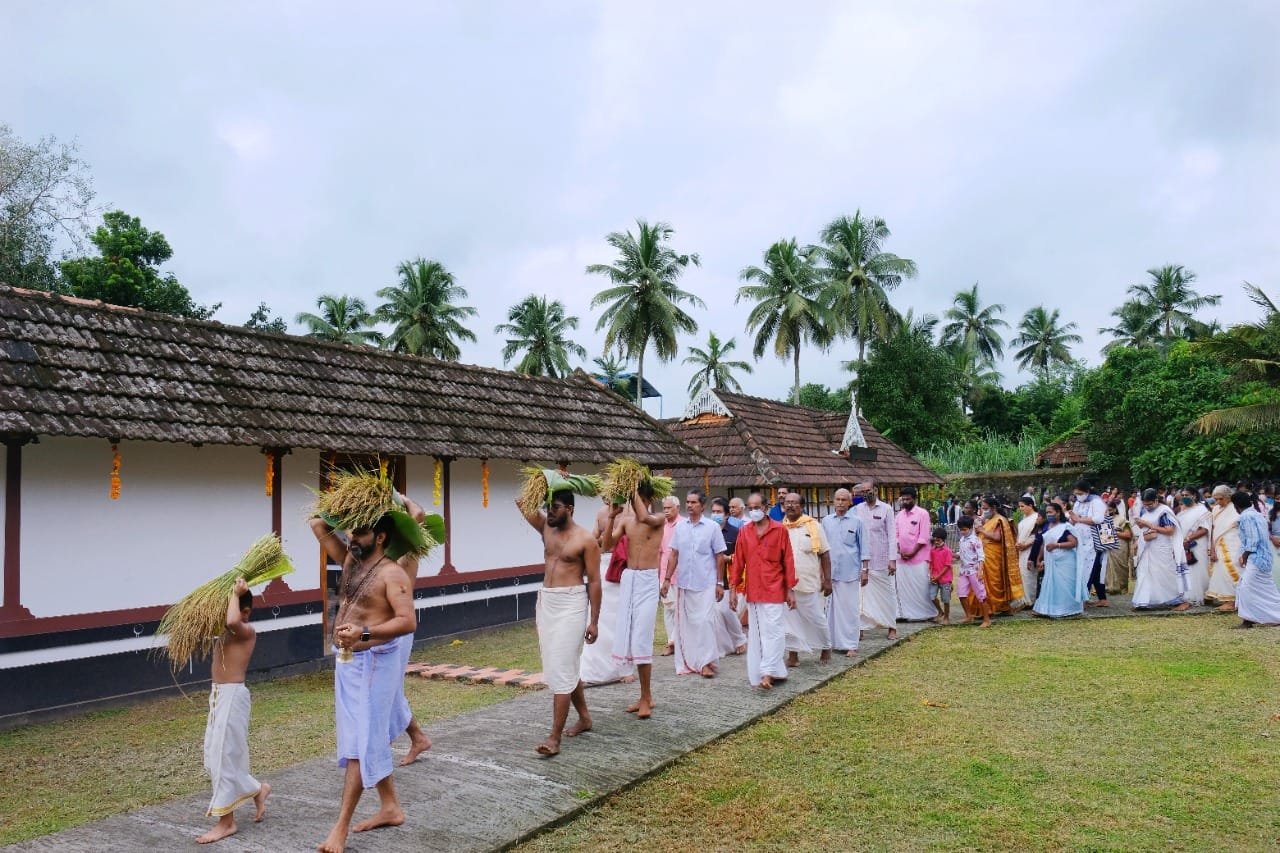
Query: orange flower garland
(115, 472)
(438, 484)
(484, 483)
(271, 472)
(333, 464)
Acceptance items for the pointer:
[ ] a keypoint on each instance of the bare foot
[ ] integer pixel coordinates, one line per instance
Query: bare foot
(260, 801)
(1023, 606)
(740, 650)
(643, 710)
(766, 682)
(965, 621)
(638, 704)
(550, 747)
(985, 624)
(627, 679)
(893, 634)
(669, 650)
(1103, 603)
(417, 746)
(335, 843)
(708, 671)
(583, 725)
(385, 817)
(825, 657)
(852, 653)
(1225, 608)
(793, 659)
(1184, 606)
(222, 829)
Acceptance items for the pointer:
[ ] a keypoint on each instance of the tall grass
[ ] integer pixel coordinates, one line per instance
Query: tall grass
(989, 452)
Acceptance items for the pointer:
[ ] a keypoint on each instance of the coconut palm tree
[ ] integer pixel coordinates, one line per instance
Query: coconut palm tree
(1134, 321)
(973, 328)
(1043, 341)
(713, 368)
(1172, 299)
(424, 312)
(644, 301)
(609, 371)
(343, 319)
(1253, 351)
(789, 311)
(538, 329)
(858, 275)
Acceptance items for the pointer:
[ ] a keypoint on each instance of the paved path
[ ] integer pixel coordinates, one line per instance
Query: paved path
(482, 786)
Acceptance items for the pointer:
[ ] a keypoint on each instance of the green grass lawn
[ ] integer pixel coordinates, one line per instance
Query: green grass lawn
(1117, 734)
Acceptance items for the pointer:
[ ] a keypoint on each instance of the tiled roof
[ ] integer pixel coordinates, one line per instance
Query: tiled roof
(764, 442)
(1064, 453)
(71, 367)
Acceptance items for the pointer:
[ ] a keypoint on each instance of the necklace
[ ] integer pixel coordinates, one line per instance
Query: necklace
(356, 585)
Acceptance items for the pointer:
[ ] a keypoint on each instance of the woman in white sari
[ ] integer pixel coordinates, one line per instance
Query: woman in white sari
(1161, 568)
(1027, 538)
(1225, 536)
(1193, 518)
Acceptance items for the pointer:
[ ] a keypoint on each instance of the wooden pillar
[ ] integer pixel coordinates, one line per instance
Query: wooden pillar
(12, 609)
(445, 479)
(276, 455)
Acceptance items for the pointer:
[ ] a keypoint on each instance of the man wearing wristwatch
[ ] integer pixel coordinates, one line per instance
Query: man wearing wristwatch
(375, 616)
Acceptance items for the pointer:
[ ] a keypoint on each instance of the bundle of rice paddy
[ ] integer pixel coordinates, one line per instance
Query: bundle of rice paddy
(622, 476)
(541, 483)
(195, 623)
(358, 499)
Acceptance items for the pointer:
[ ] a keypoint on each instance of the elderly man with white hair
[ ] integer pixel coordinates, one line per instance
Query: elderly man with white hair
(1224, 536)
(667, 571)
(845, 537)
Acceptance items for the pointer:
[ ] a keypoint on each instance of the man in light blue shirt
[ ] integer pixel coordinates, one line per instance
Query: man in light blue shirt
(698, 553)
(1257, 600)
(846, 536)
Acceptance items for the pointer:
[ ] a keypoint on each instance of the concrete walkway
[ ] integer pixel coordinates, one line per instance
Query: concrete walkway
(482, 786)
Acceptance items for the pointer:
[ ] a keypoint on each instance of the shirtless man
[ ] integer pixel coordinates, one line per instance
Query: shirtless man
(226, 736)
(418, 740)
(375, 615)
(638, 606)
(571, 554)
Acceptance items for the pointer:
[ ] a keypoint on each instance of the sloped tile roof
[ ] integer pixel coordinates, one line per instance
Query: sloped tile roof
(72, 367)
(765, 442)
(1064, 453)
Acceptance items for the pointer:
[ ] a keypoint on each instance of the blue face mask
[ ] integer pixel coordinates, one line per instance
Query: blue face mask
(717, 517)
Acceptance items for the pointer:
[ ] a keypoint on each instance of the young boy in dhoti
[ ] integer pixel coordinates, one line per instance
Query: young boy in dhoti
(226, 735)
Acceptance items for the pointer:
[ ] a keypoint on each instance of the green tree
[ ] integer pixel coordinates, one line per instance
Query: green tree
(1251, 352)
(643, 305)
(972, 328)
(713, 368)
(127, 270)
(610, 370)
(858, 275)
(262, 320)
(1133, 328)
(1044, 342)
(539, 329)
(342, 319)
(423, 311)
(814, 395)
(1172, 300)
(910, 388)
(788, 310)
(46, 196)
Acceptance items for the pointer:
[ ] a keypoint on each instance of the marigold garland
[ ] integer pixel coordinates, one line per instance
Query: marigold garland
(115, 472)
(706, 481)
(271, 473)
(333, 465)
(438, 484)
(484, 483)
(382, 468)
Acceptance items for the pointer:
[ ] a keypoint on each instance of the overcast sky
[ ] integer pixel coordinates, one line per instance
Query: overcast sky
(1050, 152)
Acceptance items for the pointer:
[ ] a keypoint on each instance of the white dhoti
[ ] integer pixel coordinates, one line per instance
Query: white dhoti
(879, 600)
(695, 630)
(402, 714)
(912, 585)
(365, 690)
(1257, 599)
(844, 614)
(669, 622)
(226, 749)
(807, 628)
(562, 617)
(1223, 572)
(728, 627)
(766, 641)
(637, 616)
(598, 665)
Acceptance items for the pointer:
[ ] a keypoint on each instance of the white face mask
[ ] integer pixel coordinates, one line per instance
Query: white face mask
(756, 515)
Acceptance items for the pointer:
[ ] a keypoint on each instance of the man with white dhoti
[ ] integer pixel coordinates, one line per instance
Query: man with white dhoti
(879, 596)
(226, 734)
(568, 612)
(1195, 521)
(1257, 599)
(598, 665)
(697, 553)
(845, 536)
(911, 582)
(807, 626)
(730, 637)
(764, 567)
(1161, 567)
(639, 590)
(667, 572)
(1224, 536)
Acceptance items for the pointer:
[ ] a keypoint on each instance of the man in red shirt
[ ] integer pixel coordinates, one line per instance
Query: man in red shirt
(763, 558)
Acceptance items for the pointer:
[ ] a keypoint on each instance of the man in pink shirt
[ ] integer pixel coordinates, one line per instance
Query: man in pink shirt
(667, 572)
(914, 533)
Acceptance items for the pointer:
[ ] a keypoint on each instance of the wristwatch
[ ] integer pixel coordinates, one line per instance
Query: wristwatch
(365, 636)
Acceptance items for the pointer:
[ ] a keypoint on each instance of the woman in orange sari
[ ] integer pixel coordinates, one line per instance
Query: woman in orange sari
(1000, 559)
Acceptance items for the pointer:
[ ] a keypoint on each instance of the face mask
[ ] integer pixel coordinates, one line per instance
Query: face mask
(756, 515)
(717, 517)
(1188, 501)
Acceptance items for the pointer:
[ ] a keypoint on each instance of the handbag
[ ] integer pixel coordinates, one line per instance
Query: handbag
(1104, 536)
